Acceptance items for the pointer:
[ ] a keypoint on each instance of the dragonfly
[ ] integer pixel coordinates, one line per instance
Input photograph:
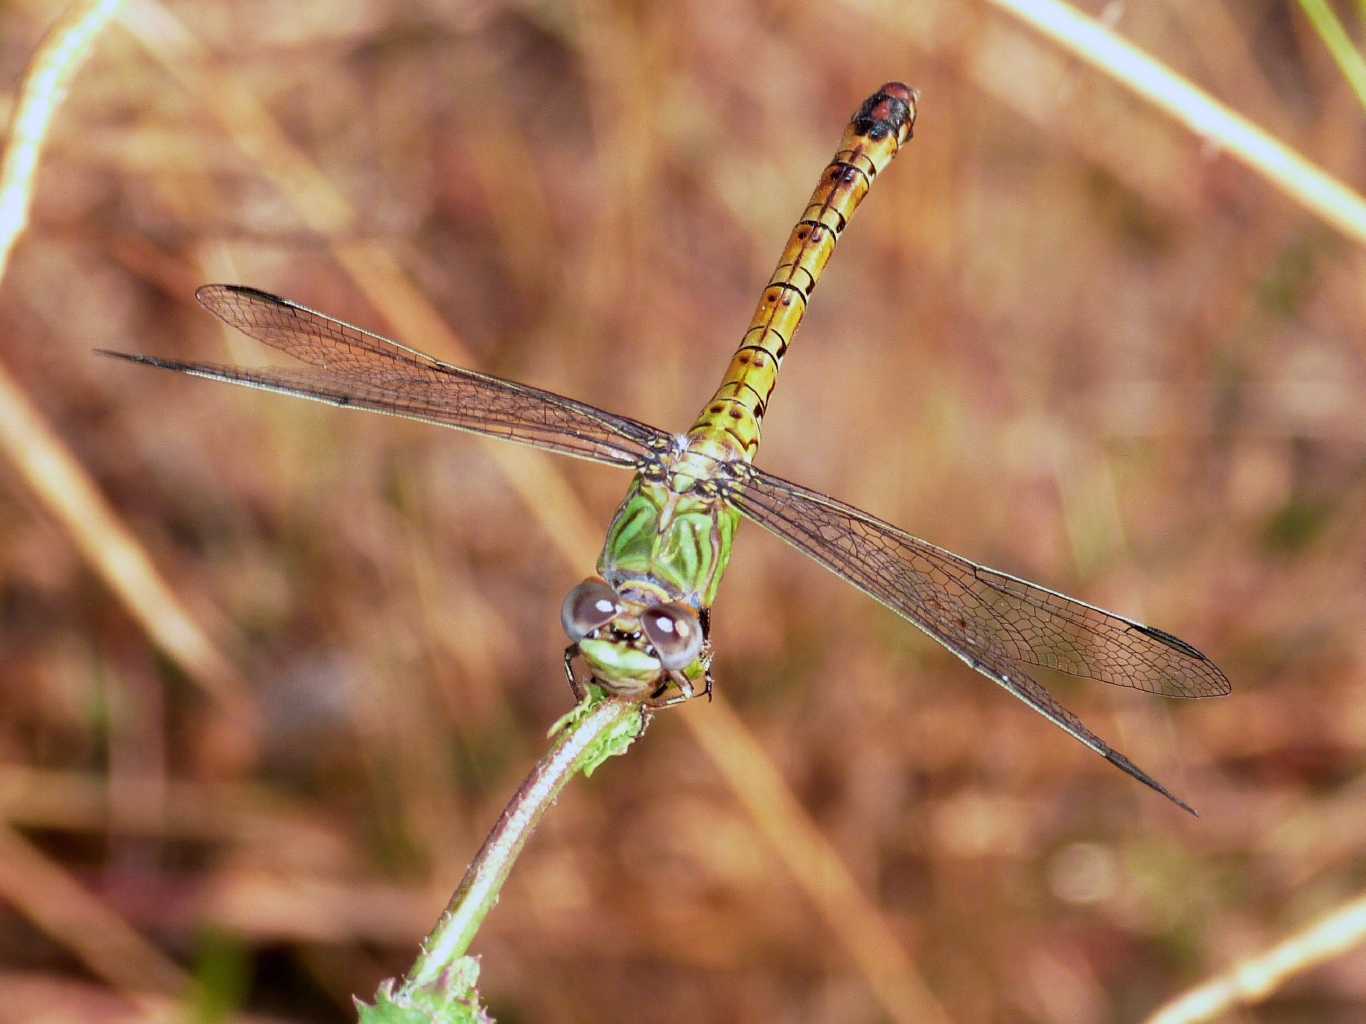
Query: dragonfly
(641, 625)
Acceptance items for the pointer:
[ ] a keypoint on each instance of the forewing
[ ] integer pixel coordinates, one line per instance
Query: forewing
(352, 368)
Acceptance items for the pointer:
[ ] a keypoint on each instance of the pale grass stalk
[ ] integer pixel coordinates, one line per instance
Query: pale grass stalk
(110, 947)
(59, 56)
(173, 810)
(69, 494)
(1338, 43)
(1090, 41)
(39, 455)
(99, 937)
(543, 488)
(40, 997)
(810, 858)
(1254, 978)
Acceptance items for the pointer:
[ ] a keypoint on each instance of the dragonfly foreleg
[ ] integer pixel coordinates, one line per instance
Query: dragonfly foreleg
(705, 657)
(685, 692)
(580, 691)
(684, 685)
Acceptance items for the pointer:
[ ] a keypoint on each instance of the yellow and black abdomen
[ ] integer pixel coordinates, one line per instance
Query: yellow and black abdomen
(731, 420)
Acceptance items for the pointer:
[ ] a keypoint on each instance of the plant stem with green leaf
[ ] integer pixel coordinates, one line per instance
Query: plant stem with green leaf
(440, 984)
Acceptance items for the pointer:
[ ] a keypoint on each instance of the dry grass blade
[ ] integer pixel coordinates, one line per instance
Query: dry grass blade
(34, 996)
(1089, 40)
(1253, 979)
(29, 880)
(36, 451)
(98, 936)
(54, 65)
(105, 542)
(816, 866)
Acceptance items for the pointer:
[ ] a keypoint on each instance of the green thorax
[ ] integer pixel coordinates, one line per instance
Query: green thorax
(671, 535)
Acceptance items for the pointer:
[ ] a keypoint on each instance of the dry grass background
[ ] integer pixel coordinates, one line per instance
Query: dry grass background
(1063, 337)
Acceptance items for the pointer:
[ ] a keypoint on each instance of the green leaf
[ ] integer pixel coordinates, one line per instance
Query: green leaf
(612, 743)
(451, 999)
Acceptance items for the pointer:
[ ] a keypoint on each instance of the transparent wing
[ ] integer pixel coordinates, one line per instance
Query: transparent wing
(995, 622)
(352, 368)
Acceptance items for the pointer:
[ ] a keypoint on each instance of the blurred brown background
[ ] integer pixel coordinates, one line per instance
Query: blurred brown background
(1063, 337)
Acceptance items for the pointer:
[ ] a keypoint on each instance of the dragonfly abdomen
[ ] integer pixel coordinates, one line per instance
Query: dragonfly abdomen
(871, 140)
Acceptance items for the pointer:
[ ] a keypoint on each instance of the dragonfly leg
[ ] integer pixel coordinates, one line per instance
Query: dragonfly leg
(685, 687)
(685, 692)
(580, 692)
(710, 683)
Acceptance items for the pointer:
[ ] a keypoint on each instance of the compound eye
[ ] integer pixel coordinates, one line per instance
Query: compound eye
(589, 606)
(675, 633)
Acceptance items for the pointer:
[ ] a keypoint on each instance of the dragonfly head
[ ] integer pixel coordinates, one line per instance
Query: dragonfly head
(630, 642)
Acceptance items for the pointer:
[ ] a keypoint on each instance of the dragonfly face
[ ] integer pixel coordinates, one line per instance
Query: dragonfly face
(634, 643)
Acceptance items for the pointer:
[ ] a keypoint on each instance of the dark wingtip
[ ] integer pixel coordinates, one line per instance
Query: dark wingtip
(206, 293)
(141, 360)
(1218, 684)
(1172, 797)
(1134, 771)
(127, 356)
(1174, 642)
(1181, 803)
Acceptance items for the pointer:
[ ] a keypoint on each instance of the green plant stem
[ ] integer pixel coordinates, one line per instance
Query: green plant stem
(1088, 40)
(579, 744)
(1338, 43)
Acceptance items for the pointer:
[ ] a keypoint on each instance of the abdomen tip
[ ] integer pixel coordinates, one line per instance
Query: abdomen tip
(900, 90)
